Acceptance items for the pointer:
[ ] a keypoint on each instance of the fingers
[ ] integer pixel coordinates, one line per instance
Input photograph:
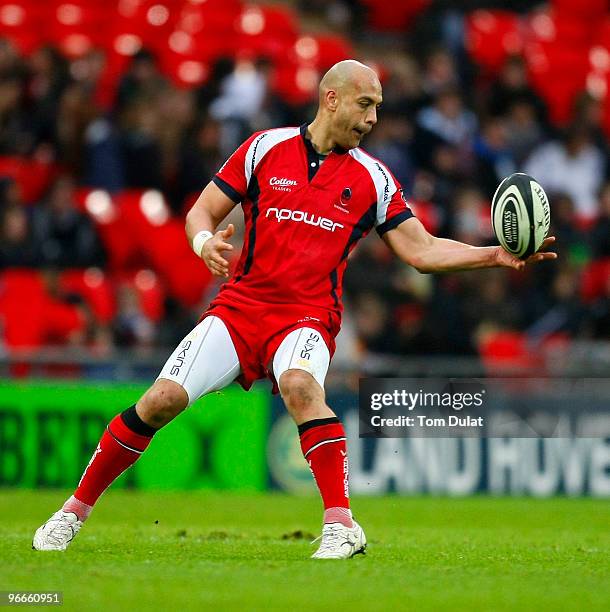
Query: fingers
(213, 248)
(536, 257)
(227, 233)
(546, 242)
(218, 270)
(217, 258)
(220, 263)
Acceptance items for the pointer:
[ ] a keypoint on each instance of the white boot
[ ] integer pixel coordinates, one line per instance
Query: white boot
(57, 532)
(340, 542)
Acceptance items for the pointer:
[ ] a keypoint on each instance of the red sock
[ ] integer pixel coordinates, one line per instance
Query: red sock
(125, 439)
(324, 449)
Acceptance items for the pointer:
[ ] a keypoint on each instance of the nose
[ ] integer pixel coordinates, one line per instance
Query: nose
(371, 117)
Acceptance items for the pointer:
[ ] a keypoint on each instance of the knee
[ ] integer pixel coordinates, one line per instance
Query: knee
(162, 402)
(301, 392)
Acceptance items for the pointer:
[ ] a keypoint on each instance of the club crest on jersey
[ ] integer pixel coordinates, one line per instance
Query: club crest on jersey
(346, 196)
(282, 184)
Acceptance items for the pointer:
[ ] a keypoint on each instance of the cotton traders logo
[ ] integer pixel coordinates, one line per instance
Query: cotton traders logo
(282, 184)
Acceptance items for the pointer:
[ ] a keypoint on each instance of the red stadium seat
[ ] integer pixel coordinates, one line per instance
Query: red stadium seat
(150, 292)
(33, 177)
(559, 74)
(602, 32)
(557, 51)
(393, 16)
(76, 26)
(261, 20)
(213, 16)
(298, 84)
(587, 10)
(30, 316)
(149, 21)
(186, 59)
(266, 31)
(552, 27)
(122, 250)
(321, 51)
(21, 22)
(491, 36)
(428, 213)
(161, 238)
(94, 287)
(22, 319)
(506, 352)
(595, 280)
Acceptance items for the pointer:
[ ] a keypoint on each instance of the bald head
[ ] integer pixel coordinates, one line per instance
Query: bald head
(348, 75)
(350, 94)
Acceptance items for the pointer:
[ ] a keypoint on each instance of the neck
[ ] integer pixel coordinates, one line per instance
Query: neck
(320, 137)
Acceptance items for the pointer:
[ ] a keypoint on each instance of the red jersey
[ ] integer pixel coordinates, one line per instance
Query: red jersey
(303, 218)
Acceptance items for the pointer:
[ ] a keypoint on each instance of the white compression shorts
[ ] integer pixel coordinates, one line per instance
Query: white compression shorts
(206, 359)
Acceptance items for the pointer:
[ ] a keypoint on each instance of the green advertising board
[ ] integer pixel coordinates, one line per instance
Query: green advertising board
(48, 433)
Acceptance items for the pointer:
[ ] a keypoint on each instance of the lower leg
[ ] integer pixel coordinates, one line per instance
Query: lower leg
(323, 442)
(126, 437)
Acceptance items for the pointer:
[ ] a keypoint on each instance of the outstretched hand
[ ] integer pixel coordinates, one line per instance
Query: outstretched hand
(504, 258)
(213, 249)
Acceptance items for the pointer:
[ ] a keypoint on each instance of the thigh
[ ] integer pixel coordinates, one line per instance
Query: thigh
(204, 361)
(302, 349)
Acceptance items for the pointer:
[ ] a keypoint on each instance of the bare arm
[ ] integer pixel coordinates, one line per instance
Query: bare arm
(207, 213)
(211, 207)
(414, 245)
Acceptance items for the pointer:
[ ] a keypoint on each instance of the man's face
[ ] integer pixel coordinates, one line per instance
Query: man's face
(356, 112)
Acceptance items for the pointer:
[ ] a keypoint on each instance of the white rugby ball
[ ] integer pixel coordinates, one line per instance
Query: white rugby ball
(520, 215)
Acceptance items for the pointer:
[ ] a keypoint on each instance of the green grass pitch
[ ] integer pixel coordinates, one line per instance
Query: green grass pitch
(197, 551)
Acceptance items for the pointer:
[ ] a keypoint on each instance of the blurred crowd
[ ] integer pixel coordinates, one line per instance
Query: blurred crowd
(448, 132)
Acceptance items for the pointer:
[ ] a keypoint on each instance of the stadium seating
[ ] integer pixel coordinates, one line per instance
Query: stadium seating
(32, 177)
(566, 45)
(503, 352)
(149, 290)
(594, 282)
(94, 287)
(266, 31)
(491, 36)
(393, 16)
(188, 36)
(38, 320)
(557, 43)
(559, 74)
(21, 23)
(589, 10)
(113, 231)
(160, 238)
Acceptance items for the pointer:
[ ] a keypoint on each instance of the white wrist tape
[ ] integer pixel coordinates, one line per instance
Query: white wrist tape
(199, 240)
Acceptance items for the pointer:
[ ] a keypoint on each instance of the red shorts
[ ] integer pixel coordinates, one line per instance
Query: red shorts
(257, 330)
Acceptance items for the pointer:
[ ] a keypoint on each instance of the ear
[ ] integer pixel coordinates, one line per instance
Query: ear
(331, 100)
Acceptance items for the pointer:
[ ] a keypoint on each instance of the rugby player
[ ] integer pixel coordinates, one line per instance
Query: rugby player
(308, 195)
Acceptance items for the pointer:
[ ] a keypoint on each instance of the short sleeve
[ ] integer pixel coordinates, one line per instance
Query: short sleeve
(231, 178)
(392, 207)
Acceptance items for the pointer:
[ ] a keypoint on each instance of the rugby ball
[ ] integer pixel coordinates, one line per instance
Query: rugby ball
(520, 215)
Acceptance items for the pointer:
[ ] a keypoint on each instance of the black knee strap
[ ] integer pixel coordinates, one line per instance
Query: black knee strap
(136, 424)
(303, 427)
